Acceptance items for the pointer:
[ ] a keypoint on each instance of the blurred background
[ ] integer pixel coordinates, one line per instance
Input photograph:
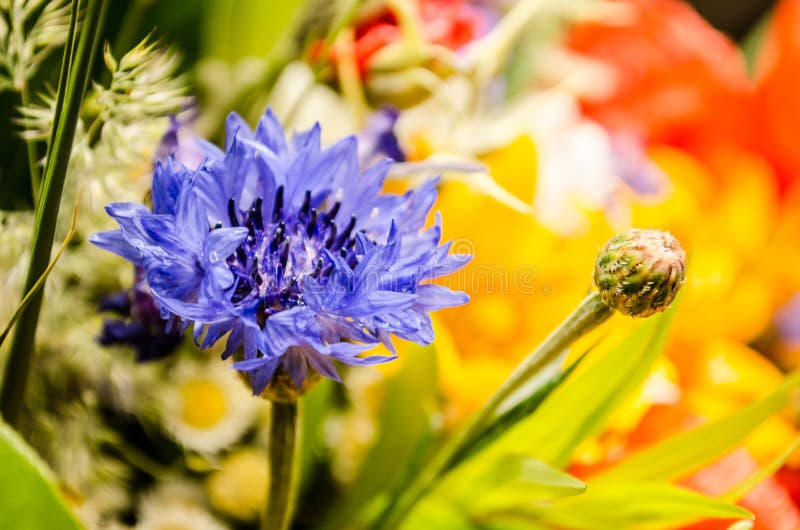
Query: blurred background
(589, 118)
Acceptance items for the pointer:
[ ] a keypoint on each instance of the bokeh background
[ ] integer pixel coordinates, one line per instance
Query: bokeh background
(601, 116)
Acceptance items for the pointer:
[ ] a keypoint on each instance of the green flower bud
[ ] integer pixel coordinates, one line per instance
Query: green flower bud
(639, 272)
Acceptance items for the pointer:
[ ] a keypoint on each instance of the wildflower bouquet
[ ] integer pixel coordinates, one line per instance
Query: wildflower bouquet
(348, 276)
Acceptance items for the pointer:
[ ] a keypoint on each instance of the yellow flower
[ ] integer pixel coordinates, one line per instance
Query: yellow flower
(724, 214)
(728, 301)
(239, 487)
(523, 280)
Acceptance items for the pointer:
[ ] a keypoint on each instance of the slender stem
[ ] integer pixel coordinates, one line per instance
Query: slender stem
(590, 313)
(63, 77)
(20, 357)
(282, 462)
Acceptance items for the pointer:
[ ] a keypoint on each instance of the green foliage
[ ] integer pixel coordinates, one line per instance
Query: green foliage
(536, 391)
(75, 70)
(506, 483)
(515, 481)
(439, 514)
(634, 506)
(581, 407)
(744, 487)
(686, 452)
(236, 29)
(28, 498)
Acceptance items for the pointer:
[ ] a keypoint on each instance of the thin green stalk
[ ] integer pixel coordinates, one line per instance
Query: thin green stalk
(43, 278)
(20, 357)
(63, 76)
(590, 313)
(283, 457)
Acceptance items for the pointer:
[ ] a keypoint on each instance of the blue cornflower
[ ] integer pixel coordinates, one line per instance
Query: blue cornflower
(288, 248)
(140, 324)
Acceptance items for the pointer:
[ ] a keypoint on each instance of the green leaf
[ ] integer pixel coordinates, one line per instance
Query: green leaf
(682, 454)
(744, 487)
(581, 407)
(535, 395)
(500, 483)
(509, 522)
(28, 497)
(634, 506)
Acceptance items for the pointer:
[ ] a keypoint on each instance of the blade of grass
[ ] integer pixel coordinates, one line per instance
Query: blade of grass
(63, 76)
(744, 487)
(40, 282)
(521, 410)
(589, 314)
(30, 146)
(680, 455)
(633, 505)
(582, 406)
(20, 357)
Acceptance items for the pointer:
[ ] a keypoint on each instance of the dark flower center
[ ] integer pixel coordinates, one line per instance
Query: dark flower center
(270, 263)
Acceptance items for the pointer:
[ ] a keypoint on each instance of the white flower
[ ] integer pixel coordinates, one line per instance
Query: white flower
(206, 406)
(179, 517)
(176, 505)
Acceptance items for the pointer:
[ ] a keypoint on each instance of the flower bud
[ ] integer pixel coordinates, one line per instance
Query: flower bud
(639, 272)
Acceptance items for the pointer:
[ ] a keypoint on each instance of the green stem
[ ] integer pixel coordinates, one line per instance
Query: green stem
(590, 313)
(20, 357)
(63, 77)
(282, 462)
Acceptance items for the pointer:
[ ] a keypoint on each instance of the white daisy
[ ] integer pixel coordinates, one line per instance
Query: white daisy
(205, 406)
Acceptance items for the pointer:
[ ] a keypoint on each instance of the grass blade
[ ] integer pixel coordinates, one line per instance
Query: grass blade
(40, 282)
(744, 487)
(581, 407)
(517, 413)
(629, 506)
(21, 353)
(684, 453)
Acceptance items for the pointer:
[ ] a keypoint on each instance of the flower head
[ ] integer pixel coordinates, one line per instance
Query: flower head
(639, 272)
(288, 248)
